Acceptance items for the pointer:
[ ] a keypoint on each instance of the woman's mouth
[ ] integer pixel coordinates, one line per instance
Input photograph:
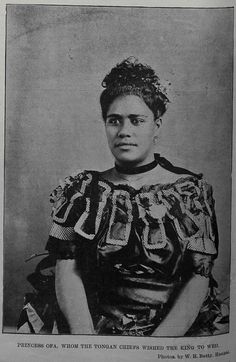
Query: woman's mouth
(126, 144)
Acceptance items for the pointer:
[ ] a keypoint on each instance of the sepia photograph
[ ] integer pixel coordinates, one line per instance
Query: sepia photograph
(118, 161)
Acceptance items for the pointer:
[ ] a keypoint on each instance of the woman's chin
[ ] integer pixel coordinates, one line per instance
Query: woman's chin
(132, 156)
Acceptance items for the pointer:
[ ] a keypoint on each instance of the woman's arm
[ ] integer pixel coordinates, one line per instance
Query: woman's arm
(72, 298)
(185, 309)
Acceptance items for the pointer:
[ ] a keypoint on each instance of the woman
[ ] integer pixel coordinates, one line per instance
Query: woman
(134, 245)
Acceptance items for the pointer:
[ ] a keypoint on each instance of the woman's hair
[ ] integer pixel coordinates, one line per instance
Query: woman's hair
(133, 78)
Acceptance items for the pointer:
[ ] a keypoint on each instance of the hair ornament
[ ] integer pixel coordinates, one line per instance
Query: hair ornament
(132, 74)
(133, 78)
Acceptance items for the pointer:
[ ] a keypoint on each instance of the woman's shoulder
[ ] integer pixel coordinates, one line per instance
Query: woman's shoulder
(170, 174)
(182, 180)
(175, 171)
(75, 183)
(166, 177)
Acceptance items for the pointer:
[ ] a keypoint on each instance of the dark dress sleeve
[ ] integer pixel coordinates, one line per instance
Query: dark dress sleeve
(68, 204)
(202, 248)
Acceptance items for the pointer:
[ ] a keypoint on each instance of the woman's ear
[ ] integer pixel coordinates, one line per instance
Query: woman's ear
(158, 122)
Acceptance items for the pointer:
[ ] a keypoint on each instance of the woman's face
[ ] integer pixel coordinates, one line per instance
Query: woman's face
(130, 130)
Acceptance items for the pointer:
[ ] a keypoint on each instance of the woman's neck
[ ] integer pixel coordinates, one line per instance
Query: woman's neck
(131, 169)
(134, 180)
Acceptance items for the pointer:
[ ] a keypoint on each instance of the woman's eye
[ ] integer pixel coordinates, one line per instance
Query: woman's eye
(113, 121)
(137, 121)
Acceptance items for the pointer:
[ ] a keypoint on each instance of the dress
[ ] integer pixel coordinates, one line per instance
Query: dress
(135, 248)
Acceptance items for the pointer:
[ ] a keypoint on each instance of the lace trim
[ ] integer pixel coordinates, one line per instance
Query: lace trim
(79, 226)
(81, 221)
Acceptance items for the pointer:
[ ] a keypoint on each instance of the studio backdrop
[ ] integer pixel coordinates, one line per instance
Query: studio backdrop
(56, 59)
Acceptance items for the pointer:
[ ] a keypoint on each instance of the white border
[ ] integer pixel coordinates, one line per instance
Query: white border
(8, 342)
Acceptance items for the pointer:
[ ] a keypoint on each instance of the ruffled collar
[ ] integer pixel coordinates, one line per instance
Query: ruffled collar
(90, 205)
(145, 188)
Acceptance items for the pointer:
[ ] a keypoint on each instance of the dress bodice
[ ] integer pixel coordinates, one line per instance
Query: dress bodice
(153, 225)
(135, 250)
(135, 247)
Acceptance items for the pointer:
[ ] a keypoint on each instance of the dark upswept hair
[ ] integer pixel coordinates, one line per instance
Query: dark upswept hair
(133, 78)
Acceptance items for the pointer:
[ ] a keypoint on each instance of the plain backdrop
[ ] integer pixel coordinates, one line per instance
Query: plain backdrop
(56, 59)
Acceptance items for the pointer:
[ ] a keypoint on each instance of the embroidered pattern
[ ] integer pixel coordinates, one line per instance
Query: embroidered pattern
(102, 204)
(56, 210)
(121, 204)
(202, 244)
(156, 212)
(187, 204)
(80, 225)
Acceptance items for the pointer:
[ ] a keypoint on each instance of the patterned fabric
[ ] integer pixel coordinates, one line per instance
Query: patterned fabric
(135, 248)
(62, 233)
(166, 217)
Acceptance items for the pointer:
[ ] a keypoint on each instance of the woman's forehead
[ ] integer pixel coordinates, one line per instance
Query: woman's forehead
(130, 104)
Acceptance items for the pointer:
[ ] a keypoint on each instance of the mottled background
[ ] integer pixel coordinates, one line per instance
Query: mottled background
(57, 57)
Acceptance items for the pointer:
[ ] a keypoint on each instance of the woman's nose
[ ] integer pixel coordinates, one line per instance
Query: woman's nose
(125, 129)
